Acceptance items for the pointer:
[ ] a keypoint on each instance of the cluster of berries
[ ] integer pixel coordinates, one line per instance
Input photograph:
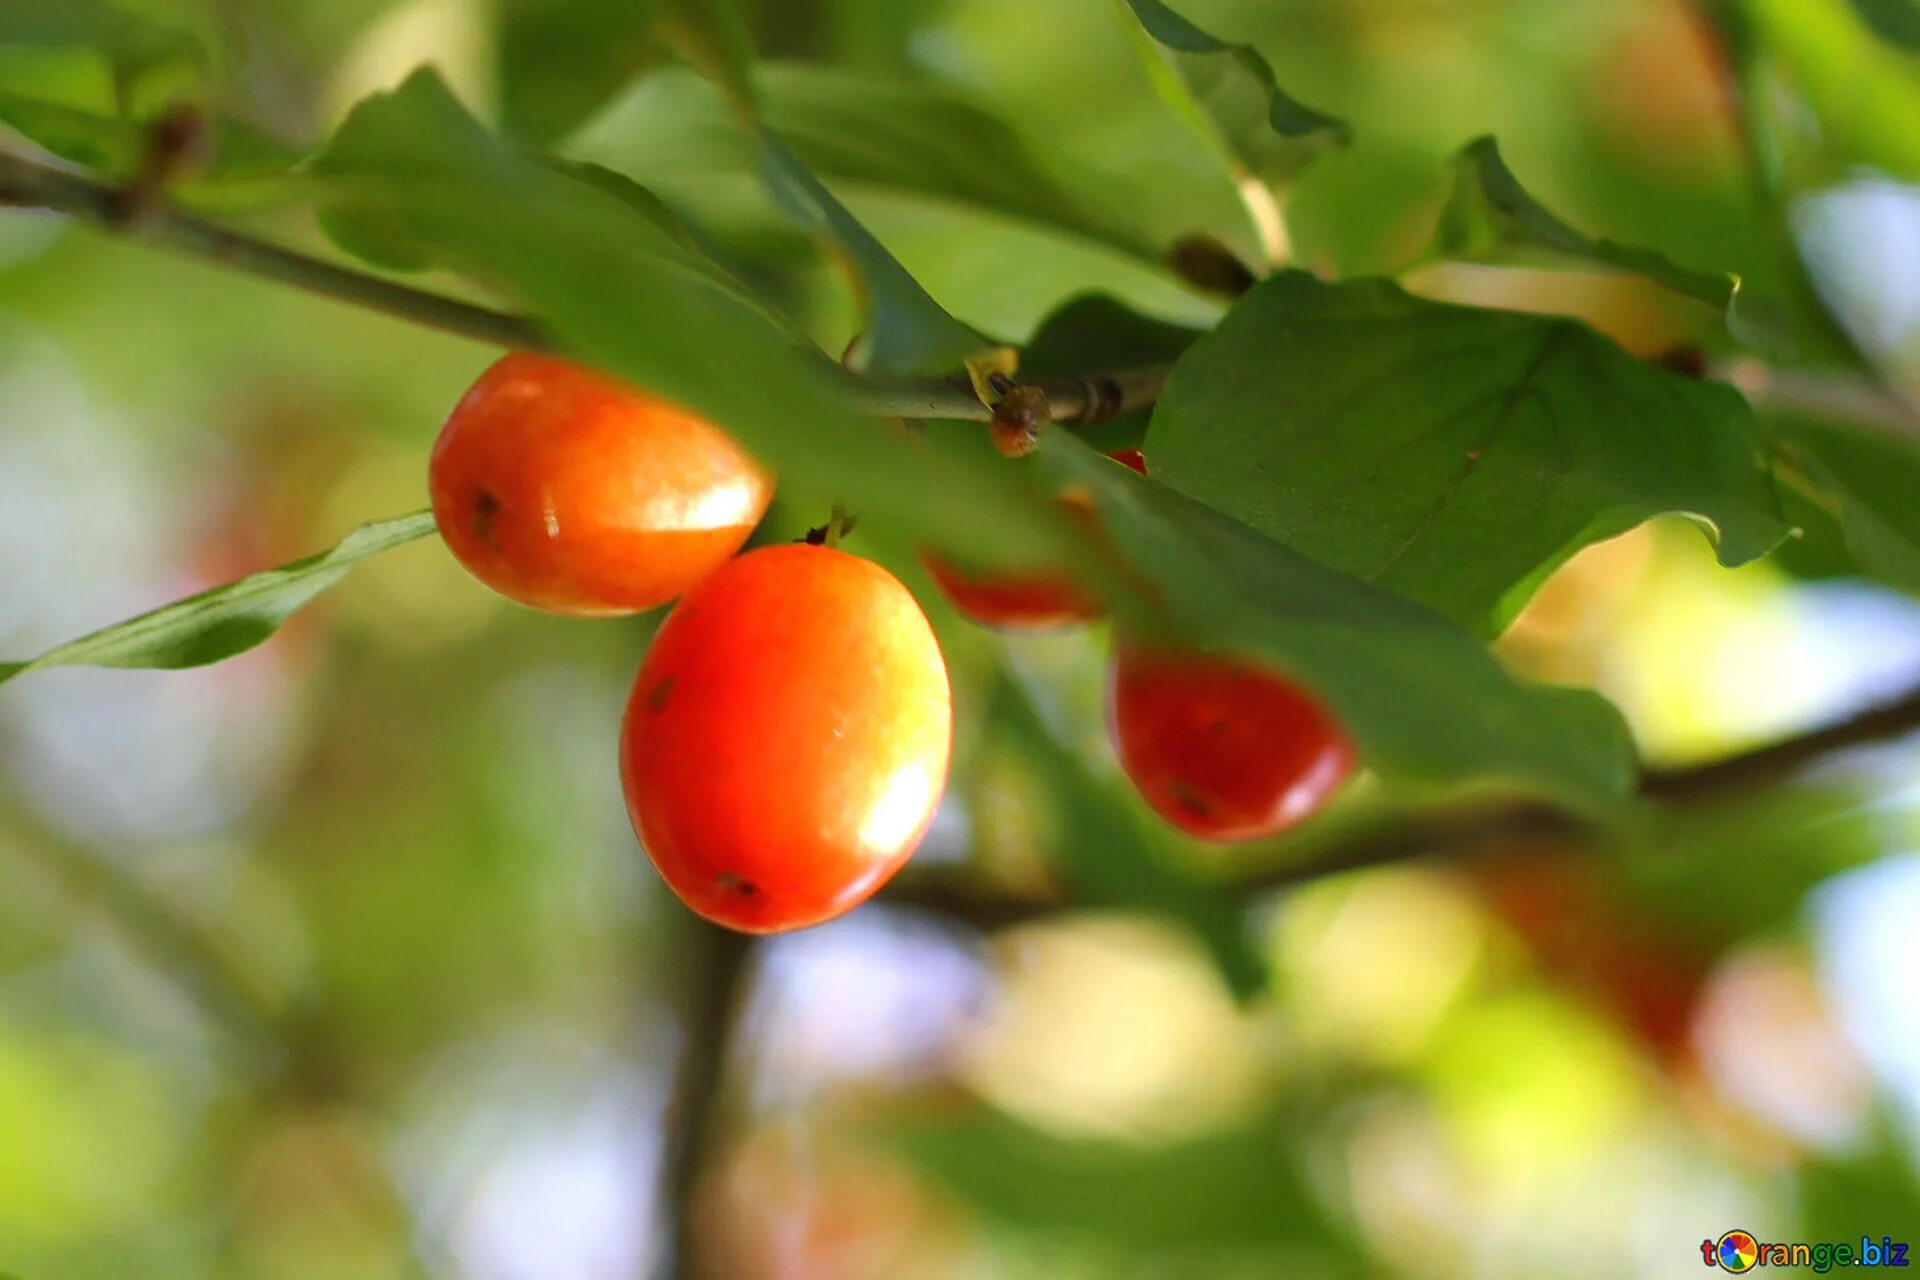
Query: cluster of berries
(787, 738)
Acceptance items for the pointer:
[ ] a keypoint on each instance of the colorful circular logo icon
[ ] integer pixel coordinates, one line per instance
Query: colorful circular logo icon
(1736, 1251)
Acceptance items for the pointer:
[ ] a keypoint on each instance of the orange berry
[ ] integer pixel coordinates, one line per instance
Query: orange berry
(567, 491)
(787, 739)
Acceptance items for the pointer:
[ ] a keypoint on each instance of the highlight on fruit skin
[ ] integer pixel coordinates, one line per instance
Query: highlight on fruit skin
(787, 739)
(1025, 601)
(567, 491)
(1219, 747)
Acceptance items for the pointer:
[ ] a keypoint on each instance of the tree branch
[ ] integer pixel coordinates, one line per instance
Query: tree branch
(177, 949)
(31, 184)
(106, 207)
(711, 996)
(1481, 825)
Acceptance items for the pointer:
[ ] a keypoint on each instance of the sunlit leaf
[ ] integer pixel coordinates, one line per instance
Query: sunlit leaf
(229, 619)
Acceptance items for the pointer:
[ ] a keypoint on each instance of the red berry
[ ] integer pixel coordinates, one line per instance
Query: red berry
(787, 739)
(569, 492)
(1025, 601)
(1222, 749)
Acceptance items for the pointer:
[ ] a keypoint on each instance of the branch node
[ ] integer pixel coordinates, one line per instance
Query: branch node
(1018, 418)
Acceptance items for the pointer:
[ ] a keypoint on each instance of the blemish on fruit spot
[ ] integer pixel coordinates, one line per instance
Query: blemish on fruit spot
(485, 508)
(745, 888)
(658, 696)
(1189, 799)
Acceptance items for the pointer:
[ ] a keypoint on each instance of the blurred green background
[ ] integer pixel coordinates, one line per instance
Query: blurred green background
(339, 960)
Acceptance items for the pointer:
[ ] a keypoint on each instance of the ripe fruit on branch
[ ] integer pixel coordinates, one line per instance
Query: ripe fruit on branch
(1025, 601)
(570, 492)
(787, 739)
(1220, 748)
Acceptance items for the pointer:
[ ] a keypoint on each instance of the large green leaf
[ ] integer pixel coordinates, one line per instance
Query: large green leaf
(1234, 92)
(1105, 859)
(1875, 478)
(1243, 1188)
(1491, 216)
(1450, 454)
(229, 619)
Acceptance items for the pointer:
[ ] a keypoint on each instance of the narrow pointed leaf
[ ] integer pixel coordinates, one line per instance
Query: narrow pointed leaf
(230, 619)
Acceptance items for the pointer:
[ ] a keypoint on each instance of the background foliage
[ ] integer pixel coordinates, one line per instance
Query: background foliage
(337, 958)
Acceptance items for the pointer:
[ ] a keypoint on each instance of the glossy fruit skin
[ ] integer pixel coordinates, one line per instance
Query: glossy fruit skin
(1024, 601)
(787, 739)
(1220, 748)
(569, 492)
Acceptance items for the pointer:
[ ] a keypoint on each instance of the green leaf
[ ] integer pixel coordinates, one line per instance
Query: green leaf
(1092, 334)
(711, 35)
(1242, 1188)
(1840, 71)
(228, 619)
(907, 331)
(562, 60)
(1237, 96)
(1875, 478)
(1450, 454)
(1490, 216)
(230, 158)
(1894, 20)
(99, 142)
(1423, 699)
(130, 43)
(865, 133)
(1104, 857)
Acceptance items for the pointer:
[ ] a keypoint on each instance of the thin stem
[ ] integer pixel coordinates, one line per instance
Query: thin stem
(1092, 398)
